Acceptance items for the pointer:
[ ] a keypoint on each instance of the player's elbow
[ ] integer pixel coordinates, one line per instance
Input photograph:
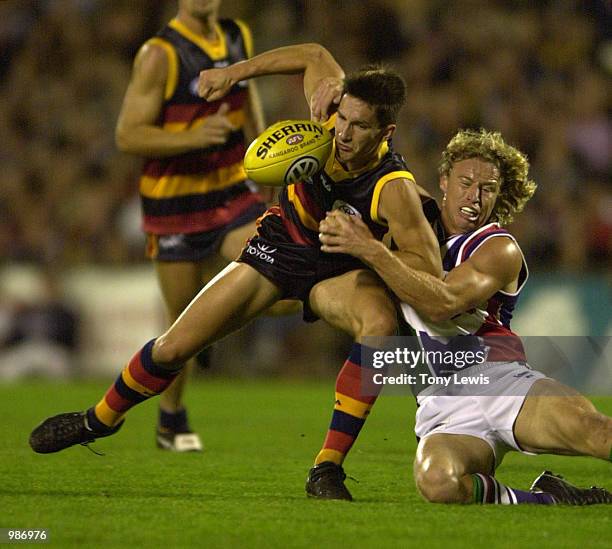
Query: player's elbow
(443, 309)
(314, 52)
(317, 56)
(122, 140)
(438, 315)
(129, 139)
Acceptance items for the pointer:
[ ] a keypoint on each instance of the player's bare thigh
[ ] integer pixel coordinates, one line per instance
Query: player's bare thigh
(180, 281)
(356, 302)
(443, 463)
(235, 296)
(232, 246)
(557, 419)
(235, 240)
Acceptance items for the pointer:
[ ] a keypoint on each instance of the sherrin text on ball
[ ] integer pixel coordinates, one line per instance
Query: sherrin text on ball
(287, 152)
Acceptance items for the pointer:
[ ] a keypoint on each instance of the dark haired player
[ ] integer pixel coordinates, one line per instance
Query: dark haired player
(363, 176)
(465, 430)
(198, 206)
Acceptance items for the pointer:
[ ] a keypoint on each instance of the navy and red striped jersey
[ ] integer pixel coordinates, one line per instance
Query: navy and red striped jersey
(203, 189)
(303, 204)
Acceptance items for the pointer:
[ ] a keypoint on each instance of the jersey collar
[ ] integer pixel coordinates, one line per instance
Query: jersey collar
(216, 49)
(336, 171)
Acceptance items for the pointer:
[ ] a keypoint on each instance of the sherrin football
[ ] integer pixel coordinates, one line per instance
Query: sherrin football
(287, 152)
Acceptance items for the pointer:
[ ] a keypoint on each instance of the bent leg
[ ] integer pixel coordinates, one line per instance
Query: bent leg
(557, 419)
(179, 282)
(358, 303)
(444, 465)
(230, 300)
(453, 468)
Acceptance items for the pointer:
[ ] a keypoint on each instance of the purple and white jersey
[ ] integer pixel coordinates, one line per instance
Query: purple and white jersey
(489, 319)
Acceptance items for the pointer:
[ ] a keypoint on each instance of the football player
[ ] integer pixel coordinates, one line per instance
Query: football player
(363, 175)
(464, 428)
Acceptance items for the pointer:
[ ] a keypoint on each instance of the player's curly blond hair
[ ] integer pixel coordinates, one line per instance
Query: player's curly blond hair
(516, 188)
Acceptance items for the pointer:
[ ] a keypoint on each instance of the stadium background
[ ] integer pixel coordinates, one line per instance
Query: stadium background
(77, 296)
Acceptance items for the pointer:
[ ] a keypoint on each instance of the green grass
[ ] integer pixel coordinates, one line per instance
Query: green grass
(247, 489)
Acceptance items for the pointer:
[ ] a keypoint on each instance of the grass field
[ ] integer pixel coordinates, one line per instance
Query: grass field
(247, 488)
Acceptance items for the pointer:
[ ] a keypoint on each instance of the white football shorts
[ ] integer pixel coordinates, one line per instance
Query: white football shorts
(487, 412)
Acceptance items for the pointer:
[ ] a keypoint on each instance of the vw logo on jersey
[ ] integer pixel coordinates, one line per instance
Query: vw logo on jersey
(302, 168)
(346, 208)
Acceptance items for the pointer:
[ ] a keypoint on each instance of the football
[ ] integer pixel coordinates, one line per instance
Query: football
(287, 152)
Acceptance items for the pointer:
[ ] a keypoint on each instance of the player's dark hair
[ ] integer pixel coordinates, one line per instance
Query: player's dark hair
(381, 87)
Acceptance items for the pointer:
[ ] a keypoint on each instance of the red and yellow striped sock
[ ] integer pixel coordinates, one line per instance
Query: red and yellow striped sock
(141, 379)
(351, 409)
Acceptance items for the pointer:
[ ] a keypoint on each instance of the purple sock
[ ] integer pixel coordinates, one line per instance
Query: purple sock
(488, 489)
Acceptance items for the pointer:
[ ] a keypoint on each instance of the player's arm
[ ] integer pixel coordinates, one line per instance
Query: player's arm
(137, 131)
(491, 268)
(311, 60)
(400, 207)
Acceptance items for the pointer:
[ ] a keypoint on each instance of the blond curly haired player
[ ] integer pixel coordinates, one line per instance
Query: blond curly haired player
(465, 430)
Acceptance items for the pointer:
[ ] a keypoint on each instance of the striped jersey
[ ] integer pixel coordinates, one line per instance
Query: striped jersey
(203, 189)
(488, 323)
(304, 204)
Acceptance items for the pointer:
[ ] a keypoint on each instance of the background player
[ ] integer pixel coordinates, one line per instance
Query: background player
(364, 174)
(465, 432)
(198, 207)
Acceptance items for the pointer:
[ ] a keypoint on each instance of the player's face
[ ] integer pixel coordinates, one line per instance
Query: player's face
(358, 134)
(470, 190)
(200, 8)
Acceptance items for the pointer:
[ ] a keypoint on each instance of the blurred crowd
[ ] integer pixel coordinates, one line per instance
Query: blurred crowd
(537, 71)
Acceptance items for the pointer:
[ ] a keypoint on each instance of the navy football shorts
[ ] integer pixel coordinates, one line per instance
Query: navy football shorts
(194, 247)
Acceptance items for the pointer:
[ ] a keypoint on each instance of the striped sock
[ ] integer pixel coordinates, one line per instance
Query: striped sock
(350, 409)
(488, 489)
(139, 380)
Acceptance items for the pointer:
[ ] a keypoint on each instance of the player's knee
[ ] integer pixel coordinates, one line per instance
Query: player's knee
(168, 351)
(439, 484)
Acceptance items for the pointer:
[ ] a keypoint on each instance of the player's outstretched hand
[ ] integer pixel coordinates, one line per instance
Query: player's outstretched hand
(214, 84)
(341, 233)
(326, 98)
